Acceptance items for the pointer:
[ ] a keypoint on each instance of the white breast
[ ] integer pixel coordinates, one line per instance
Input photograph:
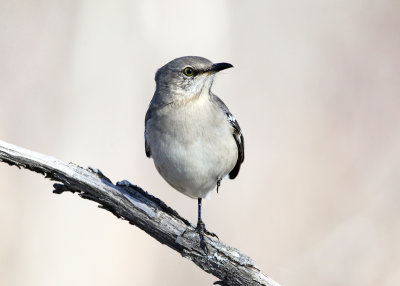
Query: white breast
(192, 146)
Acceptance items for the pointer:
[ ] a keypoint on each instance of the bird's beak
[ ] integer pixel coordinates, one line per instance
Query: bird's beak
(219, 67)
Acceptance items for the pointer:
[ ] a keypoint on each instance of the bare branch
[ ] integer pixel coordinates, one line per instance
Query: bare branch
(147, 212)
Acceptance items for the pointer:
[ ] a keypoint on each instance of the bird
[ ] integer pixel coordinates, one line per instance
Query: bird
(192, 137)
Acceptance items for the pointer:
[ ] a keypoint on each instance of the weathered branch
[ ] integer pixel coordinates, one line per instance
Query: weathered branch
(147, 212)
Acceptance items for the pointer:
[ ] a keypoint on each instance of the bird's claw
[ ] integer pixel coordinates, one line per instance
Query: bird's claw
(211, 234)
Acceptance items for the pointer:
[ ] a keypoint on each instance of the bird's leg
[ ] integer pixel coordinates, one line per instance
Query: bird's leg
(201, 228)
(218, 183)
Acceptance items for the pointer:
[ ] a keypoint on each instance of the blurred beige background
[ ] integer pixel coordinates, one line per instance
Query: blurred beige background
(316, 89)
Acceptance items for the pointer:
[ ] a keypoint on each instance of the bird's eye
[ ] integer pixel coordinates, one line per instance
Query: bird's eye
(188, 71)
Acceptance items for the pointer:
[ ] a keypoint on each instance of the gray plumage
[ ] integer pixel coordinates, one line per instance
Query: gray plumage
(190, 133)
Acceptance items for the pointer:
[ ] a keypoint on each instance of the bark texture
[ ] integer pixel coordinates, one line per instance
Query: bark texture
(132, 203)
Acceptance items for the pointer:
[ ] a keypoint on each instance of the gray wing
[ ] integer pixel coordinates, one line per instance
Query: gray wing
(237, 135)
(153, 107)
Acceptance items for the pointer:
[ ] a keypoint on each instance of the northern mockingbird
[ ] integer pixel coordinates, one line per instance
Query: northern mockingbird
(190, 133)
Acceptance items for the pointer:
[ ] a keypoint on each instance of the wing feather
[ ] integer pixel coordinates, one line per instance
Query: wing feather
(237, 135)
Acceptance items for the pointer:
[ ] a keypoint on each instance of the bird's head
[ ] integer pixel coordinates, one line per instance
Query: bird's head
(186, 77)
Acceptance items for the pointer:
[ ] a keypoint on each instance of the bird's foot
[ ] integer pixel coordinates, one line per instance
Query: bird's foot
(201, 230)
(202, 227)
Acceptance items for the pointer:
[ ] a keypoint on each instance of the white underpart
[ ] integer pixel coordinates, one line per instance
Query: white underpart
(192, 144)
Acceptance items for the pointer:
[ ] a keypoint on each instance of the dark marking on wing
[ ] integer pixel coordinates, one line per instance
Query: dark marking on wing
(146, 144)
(240, 144)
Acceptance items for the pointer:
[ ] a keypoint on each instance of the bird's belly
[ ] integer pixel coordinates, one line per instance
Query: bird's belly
(192, 159)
